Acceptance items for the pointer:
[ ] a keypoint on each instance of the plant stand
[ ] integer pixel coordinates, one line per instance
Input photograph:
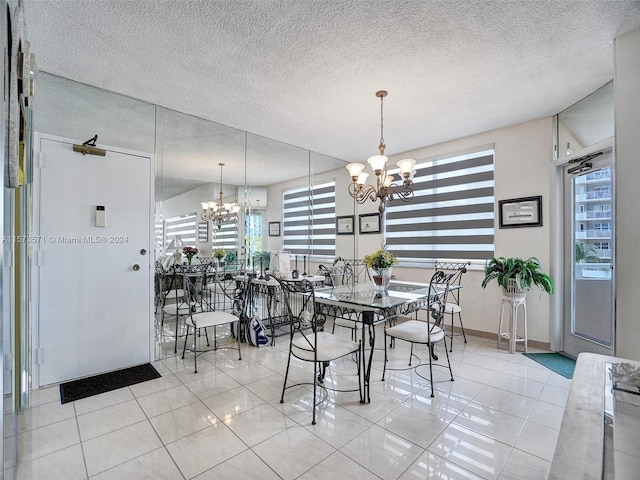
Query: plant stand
(515, 300)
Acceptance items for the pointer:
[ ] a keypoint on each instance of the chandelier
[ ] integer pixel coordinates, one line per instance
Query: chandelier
(219, 212)
(385, 189)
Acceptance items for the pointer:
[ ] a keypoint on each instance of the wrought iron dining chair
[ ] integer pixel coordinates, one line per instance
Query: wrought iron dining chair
(342, 273)
(309, 342)
(453, 307)
(174, 305)
(200, 317)
(348, 272)
(220, 288)
(428, 333)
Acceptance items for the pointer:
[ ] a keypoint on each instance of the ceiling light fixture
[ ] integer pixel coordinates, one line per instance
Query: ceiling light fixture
(219, 212)
(385, 189)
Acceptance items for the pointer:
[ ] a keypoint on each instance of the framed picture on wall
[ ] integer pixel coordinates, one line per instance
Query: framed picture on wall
(520, 212)
(370, 222)
(344, 225)
(274, 229)
(203, 232)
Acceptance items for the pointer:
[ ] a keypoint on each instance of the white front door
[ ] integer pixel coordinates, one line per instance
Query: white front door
(93, 255)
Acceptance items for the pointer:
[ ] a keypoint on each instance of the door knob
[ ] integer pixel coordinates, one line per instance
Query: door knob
(136, 267)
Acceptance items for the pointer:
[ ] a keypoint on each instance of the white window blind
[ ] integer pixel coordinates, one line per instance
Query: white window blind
(308, 221)
(158, 236)
(182, 229)
(226, 237)
(452, 213)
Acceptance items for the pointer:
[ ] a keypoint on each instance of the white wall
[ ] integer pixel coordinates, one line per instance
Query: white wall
(523, 156)
(627, 179)
(523, 167)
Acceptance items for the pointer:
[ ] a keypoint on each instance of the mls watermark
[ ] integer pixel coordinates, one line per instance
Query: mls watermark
(92, 239)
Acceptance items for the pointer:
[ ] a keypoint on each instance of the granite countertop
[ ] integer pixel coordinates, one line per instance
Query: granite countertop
(580, 448)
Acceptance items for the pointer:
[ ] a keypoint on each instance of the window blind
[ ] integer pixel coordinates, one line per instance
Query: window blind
(158, 236)
(182, 229)
(308, 221)
(226, 237)
(452, 213)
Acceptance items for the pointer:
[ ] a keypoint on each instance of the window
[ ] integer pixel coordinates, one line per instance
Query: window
(452, 213)
(182, 229)
(253, 234)
(225, 237)
(602, 226)
(308, 221)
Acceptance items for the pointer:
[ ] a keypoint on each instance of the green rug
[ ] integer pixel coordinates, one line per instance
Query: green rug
(557, 362)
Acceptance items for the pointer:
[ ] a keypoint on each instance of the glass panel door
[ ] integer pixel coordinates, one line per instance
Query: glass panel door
(589, 325)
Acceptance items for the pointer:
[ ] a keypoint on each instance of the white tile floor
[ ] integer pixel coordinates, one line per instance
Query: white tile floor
(498, 419)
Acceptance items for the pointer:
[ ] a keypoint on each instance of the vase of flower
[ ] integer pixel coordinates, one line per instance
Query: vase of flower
(219, 255)
(381, 278)
(380, 264)
(189, 252)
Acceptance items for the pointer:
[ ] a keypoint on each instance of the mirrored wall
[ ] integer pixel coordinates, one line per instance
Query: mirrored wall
(188, 152)
(587, 122)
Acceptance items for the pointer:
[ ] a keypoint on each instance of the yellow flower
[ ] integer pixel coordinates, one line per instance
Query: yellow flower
(381, 259)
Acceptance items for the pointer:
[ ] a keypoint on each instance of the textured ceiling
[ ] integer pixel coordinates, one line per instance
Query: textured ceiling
(305, 72)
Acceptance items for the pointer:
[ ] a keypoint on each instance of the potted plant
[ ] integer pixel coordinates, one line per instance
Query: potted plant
(517, 273)
(231, 257)
(380, 263)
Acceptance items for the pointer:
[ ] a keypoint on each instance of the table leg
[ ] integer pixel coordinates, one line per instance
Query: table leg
(367, 320)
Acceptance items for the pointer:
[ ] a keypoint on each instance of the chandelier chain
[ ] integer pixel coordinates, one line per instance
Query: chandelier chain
(382, 121)
(221, 165)
(219, 212)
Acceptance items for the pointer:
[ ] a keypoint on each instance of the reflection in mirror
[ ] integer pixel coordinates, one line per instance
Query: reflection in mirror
(271, 167)
(329, 170)
(587, 122)
(189, 151)
(257, 173)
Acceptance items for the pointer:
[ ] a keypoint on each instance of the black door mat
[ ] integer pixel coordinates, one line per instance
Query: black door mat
(105, 382)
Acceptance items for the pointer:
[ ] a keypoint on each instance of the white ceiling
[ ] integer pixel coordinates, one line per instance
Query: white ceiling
(305, 72)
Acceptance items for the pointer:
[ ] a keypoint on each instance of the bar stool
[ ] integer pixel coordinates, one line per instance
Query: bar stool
(515, 300)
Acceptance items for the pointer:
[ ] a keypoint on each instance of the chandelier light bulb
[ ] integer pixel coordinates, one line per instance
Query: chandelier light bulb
(362, 178)
(355, 169)
(377, 162)
(406, 166)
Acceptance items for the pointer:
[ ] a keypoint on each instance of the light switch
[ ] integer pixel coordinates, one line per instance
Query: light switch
(101, 218)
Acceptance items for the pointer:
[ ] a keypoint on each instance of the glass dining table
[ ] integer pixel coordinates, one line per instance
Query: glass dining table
(372, 307)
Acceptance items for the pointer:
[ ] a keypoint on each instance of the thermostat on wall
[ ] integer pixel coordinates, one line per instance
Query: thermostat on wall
(101, 219)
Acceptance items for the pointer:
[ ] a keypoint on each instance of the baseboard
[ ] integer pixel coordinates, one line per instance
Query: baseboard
(492, 335)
